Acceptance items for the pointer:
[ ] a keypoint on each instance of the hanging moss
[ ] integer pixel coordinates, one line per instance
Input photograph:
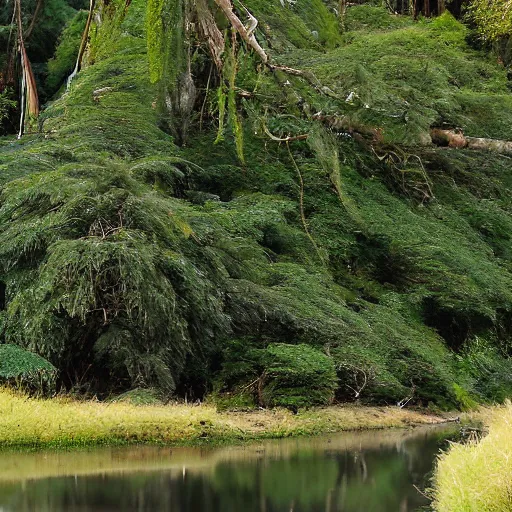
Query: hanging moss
(165, 39)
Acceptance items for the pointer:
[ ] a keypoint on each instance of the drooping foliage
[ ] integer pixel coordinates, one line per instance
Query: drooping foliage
(280, 374)
(25, 370)
(352, 260)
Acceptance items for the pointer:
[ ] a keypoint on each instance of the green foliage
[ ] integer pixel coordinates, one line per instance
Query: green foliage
(279, 374)
(486, 373)
(429, 78)
(133, 261)
(155, 38)
(62, 63)
(493, 19)
(139, 396)
(295, 22)
(164, 35)
(297, 376)
(466, 402)
(25, 370)
(371, 18)
(6, 104)
(82, 223)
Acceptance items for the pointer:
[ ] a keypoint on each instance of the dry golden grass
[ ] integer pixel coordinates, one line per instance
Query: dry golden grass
(477, 477)
(61, 422)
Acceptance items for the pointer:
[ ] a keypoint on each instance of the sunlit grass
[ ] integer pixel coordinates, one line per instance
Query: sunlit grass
(63, 422)
(477, 477)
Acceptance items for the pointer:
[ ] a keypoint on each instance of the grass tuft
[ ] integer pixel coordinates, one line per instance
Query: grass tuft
(477, 476)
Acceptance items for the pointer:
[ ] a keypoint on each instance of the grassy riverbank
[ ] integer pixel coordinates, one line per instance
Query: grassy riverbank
(478, 476)
(37, 423)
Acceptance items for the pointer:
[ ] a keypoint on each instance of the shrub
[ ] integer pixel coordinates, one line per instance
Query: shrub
(297, 376)
(282, 375)
(26, 370)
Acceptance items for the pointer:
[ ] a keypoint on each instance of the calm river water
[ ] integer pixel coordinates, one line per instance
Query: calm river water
(351, 472)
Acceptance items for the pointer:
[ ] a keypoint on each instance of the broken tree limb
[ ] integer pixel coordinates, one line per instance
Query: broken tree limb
(246, 34)
(457, 139)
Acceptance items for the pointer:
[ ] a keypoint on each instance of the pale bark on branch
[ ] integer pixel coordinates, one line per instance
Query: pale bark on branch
(247, 34)
(456, 139)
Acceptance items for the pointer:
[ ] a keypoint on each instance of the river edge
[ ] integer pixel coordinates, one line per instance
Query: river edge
(33, 423)
(16, 466)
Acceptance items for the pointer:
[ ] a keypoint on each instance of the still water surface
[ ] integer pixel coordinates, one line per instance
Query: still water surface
(351, 472)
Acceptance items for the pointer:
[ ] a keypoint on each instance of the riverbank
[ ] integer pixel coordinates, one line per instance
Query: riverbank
(65, 423)
(478, 476)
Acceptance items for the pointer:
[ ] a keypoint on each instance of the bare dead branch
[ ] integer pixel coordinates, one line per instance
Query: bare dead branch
(248, 36)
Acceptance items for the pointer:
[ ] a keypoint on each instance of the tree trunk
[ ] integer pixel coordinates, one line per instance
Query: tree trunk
(29, 98)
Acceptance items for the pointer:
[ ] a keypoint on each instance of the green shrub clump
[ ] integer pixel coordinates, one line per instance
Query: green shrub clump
(279, 375)
(297, 376)
(26, 370)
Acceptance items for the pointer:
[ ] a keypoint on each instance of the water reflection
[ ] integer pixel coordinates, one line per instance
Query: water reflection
(351, 473)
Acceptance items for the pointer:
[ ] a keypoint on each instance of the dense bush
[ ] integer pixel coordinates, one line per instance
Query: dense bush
(297, 376)
(279, 374)
(25, 370)
(133, 262)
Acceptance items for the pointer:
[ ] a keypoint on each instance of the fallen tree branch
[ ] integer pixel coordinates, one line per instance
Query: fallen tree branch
(246, 34)
(457, 139)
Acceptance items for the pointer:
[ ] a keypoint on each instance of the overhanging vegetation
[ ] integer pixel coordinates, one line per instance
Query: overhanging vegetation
(129, 260)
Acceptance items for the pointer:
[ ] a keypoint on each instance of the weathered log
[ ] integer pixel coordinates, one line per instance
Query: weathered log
(457, 139)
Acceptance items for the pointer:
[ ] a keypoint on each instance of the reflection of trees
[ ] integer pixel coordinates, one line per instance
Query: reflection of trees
(319, 480)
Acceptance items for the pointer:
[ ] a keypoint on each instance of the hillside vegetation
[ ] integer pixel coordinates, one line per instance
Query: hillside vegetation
(351, 260)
